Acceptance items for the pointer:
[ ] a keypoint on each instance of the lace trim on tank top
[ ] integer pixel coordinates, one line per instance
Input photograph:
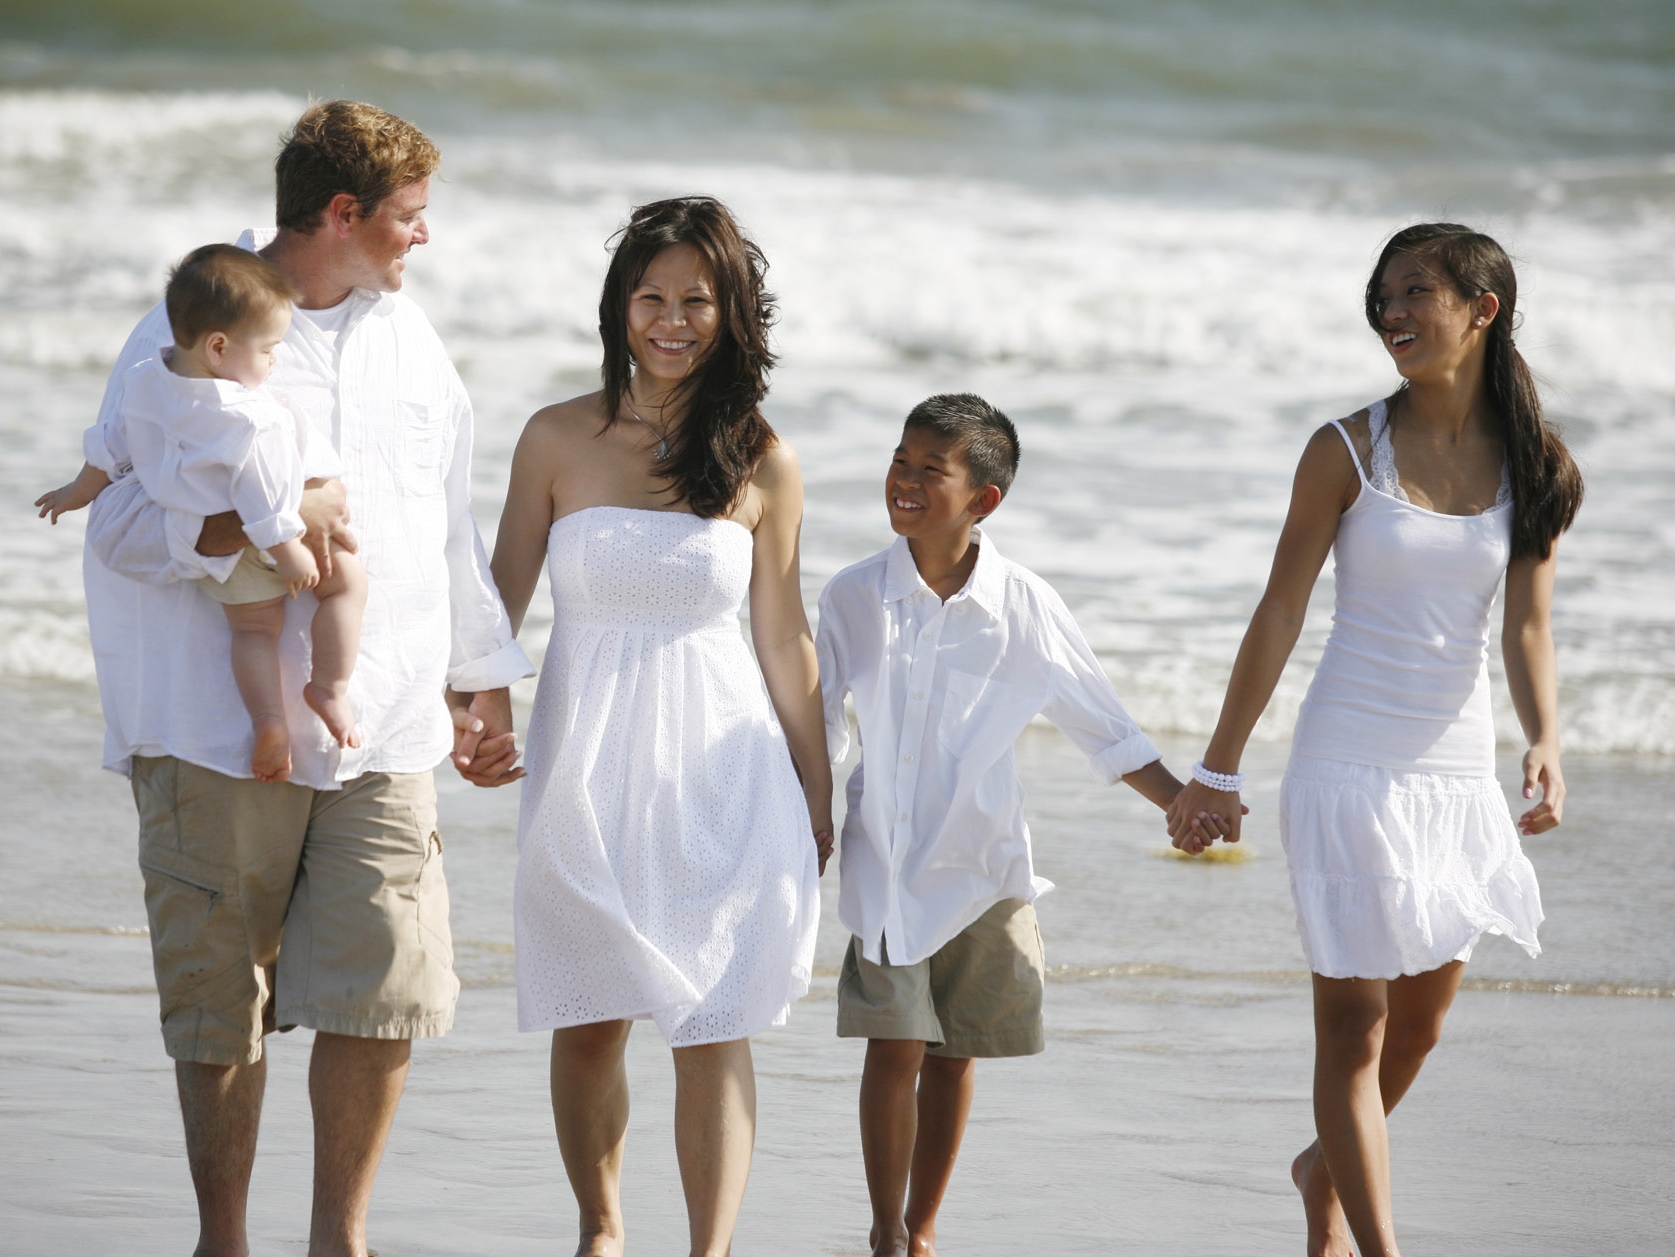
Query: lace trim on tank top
(1382, 474)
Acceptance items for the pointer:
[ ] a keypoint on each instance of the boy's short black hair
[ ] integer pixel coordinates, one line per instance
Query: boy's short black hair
(986, 438)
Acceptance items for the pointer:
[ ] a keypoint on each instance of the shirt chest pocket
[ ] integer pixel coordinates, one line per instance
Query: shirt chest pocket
(422, 444)
(979, 710)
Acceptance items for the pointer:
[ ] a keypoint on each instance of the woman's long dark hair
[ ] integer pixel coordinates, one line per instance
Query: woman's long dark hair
(1546, 485)
(723, 435)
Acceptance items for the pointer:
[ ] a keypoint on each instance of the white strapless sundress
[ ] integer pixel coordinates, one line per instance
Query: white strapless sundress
(665, 864)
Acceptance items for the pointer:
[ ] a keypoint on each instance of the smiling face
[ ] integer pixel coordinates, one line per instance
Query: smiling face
(245, 353)
(378, 242)
(1428, 328)
(928, 489)
(672, 316)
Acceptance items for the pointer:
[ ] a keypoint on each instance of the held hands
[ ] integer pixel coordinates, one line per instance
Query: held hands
(824, 842)
(1199, 815)
(1541, 771)
(325, 514)
(485, 747)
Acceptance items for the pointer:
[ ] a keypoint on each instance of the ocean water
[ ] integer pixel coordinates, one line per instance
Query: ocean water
(1140, 229)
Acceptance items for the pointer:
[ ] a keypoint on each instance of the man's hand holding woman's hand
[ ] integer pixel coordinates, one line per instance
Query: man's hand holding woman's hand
(485, 747)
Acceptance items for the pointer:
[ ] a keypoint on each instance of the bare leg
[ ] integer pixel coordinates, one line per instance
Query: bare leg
(337, 641)
(222, 1107)
(590, 1112)
(889, 1131)
(256, 627)
(715, 1130)
(1416, 1007)
(354, 1086)
(946, 1084)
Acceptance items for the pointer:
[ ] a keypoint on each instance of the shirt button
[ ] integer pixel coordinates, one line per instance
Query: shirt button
(902, 817)
(918, 696)
(908, 757)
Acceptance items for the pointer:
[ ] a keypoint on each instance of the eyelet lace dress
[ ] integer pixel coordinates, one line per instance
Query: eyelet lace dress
(665, 864)
(1401, 849)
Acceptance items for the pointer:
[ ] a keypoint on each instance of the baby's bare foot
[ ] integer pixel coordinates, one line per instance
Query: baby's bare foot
(270, 759)
(334, 709)
(1328, 1228)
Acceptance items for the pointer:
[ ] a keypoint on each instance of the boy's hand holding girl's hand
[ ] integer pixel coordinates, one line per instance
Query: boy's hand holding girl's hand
(1198, 814)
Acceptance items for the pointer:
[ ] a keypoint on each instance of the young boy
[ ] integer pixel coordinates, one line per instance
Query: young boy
(203, 436)
(948, 650)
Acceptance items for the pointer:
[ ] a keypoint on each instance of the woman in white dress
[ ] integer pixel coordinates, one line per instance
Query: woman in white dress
(1401, 849)
(668, 856)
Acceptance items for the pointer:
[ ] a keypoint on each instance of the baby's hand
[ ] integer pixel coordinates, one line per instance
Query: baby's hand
(295, 563)
(55, 502)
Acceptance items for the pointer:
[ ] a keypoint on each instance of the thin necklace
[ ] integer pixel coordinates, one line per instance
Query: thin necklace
(662, 441)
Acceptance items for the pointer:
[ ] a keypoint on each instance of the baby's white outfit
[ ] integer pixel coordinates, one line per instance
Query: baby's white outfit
(935, 834)
(208, 446)
(666, 866)
(1401, 848)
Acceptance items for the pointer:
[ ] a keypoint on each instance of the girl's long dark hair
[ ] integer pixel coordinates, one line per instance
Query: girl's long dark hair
(723, 435)
(1546, 485)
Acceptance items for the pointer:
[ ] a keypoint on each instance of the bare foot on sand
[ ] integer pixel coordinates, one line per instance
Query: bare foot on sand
(270, 760)
(1328, 1228)
(334, 709)
(922, 1246)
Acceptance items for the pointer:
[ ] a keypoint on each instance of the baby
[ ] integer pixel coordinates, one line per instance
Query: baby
(203, 436)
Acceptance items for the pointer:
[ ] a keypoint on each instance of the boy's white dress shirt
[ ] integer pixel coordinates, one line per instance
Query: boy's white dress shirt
(392, 403)
(206, 446)
(935, 832)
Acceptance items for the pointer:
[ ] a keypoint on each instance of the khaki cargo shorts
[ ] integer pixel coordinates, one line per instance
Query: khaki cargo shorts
(979, 995)
(253, 579)
(273, 905)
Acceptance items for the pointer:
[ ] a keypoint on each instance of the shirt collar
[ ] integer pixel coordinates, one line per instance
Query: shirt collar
(985, 586)
(224, 392)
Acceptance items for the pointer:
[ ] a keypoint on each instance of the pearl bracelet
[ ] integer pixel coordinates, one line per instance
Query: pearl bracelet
(1227, 783)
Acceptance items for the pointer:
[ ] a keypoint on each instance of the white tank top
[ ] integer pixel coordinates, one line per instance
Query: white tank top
(1404, 680)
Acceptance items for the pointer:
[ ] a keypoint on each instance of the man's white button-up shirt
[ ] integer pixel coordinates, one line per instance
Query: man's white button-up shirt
(935, 832)
(386, 395)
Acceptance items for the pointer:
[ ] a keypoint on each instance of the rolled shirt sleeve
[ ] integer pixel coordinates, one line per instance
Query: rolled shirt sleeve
(483, 654)
(266, 484)
(1084, 704)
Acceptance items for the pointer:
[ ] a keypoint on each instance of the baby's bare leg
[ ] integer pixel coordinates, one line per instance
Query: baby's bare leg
(256, 627)
(337, 640)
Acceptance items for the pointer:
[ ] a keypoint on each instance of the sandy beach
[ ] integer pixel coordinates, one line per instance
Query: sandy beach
(1161, 1120)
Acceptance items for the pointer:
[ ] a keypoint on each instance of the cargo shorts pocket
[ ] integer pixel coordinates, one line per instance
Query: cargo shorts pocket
(197, 929)
(432, 896)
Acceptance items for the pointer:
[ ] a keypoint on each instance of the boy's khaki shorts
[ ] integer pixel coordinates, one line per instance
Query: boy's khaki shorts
(979, 995)
(273, 905)
(253, 579)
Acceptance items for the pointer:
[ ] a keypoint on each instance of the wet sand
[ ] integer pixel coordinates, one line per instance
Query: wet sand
(1161, 1119)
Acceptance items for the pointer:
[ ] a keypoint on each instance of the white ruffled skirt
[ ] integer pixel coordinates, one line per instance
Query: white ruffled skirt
(1397, 873)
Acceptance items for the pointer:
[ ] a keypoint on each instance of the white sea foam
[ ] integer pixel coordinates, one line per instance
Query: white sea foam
(1166, 360)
